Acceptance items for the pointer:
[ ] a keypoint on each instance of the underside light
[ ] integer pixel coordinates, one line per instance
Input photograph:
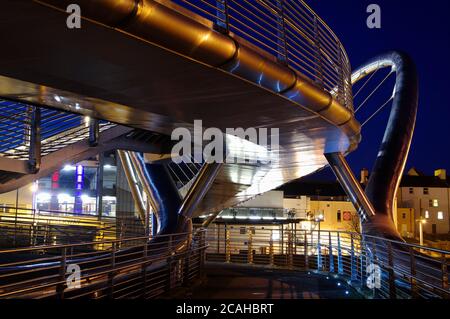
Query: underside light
(77, 106)
(202, 216)
(87, 121)
(34, 187)
(107, 166)
(268, 218)
(68, 168)
(275, 235)
(226, 217)
(43, 197)
(57, 98)
(241, 217)
(63, 197)
(281, 218)
(84, 197)
(255, 217)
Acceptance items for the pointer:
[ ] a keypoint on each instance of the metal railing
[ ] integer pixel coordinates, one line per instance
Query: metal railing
(23, 227)
(378, 267)
(57, 129)
(145, 269)
(288, 30)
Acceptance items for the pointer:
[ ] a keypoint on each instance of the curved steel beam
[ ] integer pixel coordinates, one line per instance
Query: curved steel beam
(393, 153)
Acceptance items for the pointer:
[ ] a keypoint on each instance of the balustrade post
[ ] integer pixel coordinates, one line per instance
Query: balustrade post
(227, 246)
(62, 275)
(353, 274)
(445, 276)
(250, 247)
(339, 257)
(413, 281)
(305, 251)
(391, 273)
(111, 273)
(330, 247)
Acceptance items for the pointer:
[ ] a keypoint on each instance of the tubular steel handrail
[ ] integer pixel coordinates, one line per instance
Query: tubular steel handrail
(146, 268)
(288, 30)
(27, 226)
(378, 267)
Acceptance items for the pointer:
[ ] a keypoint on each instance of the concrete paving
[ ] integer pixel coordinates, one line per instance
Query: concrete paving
(232, 281)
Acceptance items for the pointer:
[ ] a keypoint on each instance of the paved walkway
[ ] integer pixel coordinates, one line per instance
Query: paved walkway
(231, 281)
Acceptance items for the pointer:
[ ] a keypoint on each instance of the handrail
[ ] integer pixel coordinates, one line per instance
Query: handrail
(325, 54)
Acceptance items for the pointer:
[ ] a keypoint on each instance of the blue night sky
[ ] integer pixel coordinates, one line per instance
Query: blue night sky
(423, 31)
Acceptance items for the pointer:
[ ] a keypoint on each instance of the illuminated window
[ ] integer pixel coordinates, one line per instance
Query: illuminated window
(242, 230)
(435, 203)
(440, 215)
(426, 191)
(427, 214)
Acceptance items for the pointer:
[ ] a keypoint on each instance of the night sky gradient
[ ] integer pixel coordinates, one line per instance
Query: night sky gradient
(421, 29)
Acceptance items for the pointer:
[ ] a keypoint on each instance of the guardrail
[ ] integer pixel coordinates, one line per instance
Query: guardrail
(288, 30)
(379, 267)
(145, 269)
(23, 227)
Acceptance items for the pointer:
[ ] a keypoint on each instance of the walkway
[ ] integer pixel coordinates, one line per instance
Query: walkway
(231, 281)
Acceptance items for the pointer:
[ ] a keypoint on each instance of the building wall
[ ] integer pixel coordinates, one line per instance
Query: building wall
(272, 199)
(419, 200)
(25, 198)
(300, 205)
(338, 215)
(406, 222)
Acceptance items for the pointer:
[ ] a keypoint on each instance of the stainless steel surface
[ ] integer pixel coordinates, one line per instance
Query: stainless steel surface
(163, 67)
(391, 159)
(128, 268)
(129, 171)
(351, 185)
(407, 270)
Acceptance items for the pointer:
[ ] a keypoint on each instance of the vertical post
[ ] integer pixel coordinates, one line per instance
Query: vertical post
(305, 251)
(339, 257)
(444, 274)
(227, 246)
(319, 252)
(94, 132)
(100, 186)
(330, 246)
(15, 217)
(290, 249)
(392, 291)
(271, 256)
(282, 239)
(282, 54)
(169, 265)
(250, 246)
(62, 275)
(144, 269)
(111, 273)
(352, 259)
(222, 23)
(34, 151)
(413, 282)
(319, 67)
(218, 238)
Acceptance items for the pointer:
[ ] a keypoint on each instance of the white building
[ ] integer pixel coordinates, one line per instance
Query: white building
(429, 197)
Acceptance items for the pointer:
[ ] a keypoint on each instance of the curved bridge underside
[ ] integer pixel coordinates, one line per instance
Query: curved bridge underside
(158, 68)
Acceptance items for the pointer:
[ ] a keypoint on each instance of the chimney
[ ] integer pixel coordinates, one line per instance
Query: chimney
(441, 173)
(364, 176)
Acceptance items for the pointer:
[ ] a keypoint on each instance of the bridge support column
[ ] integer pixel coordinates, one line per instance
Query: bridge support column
(350, 185)
(197, 192)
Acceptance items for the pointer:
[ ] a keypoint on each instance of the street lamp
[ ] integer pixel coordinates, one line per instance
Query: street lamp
(422, 221)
